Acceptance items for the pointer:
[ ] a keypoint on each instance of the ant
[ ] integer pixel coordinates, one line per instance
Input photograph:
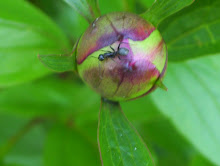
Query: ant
(109, 54)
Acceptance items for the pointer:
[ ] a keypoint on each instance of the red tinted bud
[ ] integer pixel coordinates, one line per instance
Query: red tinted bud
(121, 56)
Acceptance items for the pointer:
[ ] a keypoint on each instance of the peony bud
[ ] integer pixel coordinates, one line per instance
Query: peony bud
(121, 56)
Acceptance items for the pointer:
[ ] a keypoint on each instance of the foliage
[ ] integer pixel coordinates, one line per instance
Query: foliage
(51, 119)
(118, 141)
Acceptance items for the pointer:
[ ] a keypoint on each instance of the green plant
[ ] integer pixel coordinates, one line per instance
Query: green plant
(51, 119)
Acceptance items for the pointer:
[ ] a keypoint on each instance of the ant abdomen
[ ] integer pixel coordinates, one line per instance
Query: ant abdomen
(123, 51)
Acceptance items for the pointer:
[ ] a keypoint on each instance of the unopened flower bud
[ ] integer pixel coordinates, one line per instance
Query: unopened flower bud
(121, 56)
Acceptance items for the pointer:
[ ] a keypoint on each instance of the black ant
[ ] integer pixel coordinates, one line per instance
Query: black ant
(109, 54)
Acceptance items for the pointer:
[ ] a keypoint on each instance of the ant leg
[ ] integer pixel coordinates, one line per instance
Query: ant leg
(112, 48)
(119, 45)
(119, 57)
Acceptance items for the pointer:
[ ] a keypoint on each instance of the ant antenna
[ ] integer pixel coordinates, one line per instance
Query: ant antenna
(112, 48)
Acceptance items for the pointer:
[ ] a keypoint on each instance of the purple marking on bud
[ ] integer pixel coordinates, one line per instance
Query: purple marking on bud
(160, 77)
(111, 28)
(127, 77)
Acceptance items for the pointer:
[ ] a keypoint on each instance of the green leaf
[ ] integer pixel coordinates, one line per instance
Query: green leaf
(51, 96)
(147, 112)
(146, 3)
(60, 63)
(194, 31)
(59, 95)
(129, 5)
(27, 150)
(199, 160)
(111, 6)
(161, 9)
(12, 165)
(169, 147)
(87, 8)
(63, 14)
(117, 6)
(193, 103)
(68, 147)
(119, 142)
(25, 32)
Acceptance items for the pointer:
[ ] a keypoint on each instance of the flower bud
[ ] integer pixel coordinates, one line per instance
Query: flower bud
(121, 56)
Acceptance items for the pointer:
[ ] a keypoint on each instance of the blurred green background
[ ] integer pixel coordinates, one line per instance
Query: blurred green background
(49, 119)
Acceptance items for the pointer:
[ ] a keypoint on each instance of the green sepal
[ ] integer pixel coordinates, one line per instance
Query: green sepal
(160, 84)
(60, 62)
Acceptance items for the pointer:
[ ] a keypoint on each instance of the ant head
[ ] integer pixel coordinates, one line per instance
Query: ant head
(101, 57)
